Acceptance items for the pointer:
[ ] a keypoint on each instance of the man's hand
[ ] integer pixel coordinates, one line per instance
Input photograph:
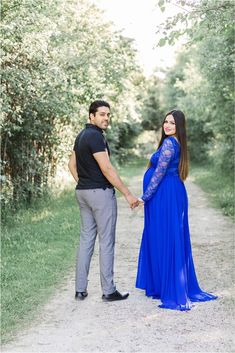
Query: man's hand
(132, 200)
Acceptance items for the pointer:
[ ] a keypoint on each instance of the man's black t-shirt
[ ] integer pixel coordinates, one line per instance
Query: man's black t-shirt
(90, 140)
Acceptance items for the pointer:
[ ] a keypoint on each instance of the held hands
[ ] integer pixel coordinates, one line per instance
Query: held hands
(134, 201)
(139, 202)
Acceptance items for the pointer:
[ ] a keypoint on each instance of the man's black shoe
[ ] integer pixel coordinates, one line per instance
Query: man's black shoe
(81, 295)
(114, 296)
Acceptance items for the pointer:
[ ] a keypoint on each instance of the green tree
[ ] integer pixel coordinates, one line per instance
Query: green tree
(152, 113)
(56, 60)
(206, 88)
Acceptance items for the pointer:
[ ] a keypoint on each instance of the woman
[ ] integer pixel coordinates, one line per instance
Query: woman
(166, 270)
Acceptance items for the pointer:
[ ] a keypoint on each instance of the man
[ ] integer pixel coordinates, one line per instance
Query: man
(96, 178)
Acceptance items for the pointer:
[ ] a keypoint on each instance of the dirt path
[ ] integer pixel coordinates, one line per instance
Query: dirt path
(137, 324)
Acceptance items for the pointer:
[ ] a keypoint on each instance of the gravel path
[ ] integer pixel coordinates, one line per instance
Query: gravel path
(137, 324)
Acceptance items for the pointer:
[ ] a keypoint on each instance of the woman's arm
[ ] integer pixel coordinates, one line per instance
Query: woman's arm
(166, 155)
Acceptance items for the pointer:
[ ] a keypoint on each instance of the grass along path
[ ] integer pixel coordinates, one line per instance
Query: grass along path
(219, 187)
(37, 250)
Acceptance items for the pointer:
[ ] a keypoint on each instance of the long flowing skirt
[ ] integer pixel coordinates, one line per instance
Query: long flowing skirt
(165, 268)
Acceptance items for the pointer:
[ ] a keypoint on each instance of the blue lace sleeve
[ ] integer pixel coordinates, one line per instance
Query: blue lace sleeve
(166, 155)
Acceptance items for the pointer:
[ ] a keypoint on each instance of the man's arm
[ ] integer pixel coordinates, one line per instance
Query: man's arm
(110, 173)
(73, 166)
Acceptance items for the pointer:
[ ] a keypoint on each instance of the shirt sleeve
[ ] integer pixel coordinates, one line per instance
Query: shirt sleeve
(97, 143)
(75, 144)
(166, 155)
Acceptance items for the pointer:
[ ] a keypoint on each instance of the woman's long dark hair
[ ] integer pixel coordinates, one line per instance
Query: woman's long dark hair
(180, 125)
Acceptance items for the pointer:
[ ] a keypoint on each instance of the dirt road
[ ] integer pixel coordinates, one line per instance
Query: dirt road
(137, 324)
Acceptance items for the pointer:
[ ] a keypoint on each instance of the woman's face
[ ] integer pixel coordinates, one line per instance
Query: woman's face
(169, 126)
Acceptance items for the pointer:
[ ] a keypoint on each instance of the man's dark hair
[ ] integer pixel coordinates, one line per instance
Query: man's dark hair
(96, 104)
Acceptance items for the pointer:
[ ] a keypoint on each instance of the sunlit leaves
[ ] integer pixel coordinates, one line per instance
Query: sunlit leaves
(162, 42)
(55, 59)
(193, 15)
(202, 81)
(161, 4)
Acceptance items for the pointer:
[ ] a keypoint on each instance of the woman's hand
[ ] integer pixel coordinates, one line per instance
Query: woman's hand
(141, 202)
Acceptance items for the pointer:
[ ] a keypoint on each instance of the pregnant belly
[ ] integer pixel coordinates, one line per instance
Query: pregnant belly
(149, 173)
(147, 177)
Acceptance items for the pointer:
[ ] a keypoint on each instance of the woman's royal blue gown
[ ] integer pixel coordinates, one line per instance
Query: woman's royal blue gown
(165, 269)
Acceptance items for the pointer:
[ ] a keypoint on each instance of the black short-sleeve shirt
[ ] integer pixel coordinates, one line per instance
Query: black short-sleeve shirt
(89, 141)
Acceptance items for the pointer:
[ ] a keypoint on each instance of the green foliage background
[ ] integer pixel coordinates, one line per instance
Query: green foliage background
(201, 84)
(56, 60)
(58, 56)
(202, 81)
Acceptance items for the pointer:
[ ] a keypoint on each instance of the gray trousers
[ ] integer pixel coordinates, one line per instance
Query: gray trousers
(98, 212)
